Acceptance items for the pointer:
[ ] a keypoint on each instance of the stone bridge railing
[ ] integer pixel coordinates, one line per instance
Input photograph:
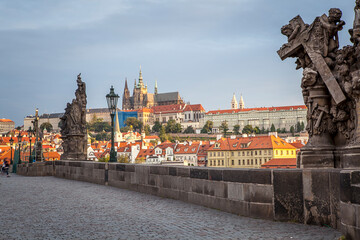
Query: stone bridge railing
(329, 197)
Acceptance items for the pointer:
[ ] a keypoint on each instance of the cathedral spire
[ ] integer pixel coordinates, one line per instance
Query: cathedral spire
(126, 86)
(141, 78)
(234, 103)
(156, 90)
(241, 103)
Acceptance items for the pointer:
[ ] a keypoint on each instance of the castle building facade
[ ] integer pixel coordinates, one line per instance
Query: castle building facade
(141, 98)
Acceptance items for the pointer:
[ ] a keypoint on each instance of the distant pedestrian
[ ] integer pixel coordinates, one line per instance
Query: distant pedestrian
(5, 168)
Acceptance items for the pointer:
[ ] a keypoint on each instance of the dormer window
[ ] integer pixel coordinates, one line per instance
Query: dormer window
(186, 149)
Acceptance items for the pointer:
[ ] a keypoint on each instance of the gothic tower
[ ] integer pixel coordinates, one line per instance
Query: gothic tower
(234, 103)
(126, 97)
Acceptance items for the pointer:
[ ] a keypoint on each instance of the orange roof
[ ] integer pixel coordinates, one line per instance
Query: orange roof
(257, 142)
(298, 145)
(270, 109)
(186, 149)
(145, 110)
(194, 107)
(53, 155)
(145, 152)
(6, 120)
(174, 108)
(152, 137)
(280, 163)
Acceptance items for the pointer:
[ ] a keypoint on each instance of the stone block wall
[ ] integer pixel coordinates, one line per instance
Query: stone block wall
(326, 197)
(350, 203)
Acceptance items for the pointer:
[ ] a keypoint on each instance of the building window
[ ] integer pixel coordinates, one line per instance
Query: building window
(214, 162)
(238, 153)
(252, 162)
(281, 152)
(276, 152)
(218, 162)
(239, 162)
(247, 153)
(222, 161)
(222, 154)
(287, 152)
(243, 153)
(255, 161)
(218, 154)
(244, 162)
(255, 153)
(232, 162)
(232, 154)
(260, 152)
(210, 163)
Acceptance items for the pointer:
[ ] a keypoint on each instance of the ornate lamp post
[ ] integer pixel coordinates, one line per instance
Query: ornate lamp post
(11, 144)
(19, 143)
(112, 100)
(30, 135)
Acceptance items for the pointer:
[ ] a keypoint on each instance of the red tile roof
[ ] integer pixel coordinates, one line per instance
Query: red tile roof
(194, 107)
(280, 163)
(186, 149)
(270, 109)
(298, 145)
(169, 108)
(257, 142)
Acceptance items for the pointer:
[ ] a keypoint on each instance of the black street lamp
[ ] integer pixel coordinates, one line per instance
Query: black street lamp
(11, 144)
(30, 135)
(19, 143)
(112, 100)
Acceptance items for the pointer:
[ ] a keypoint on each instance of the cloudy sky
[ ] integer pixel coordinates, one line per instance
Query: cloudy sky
(205, 49)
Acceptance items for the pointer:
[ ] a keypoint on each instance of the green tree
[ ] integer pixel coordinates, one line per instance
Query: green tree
(147, 130)
(224, 127)
(124, 129)
(256, 130)
(189, 129)
(272, 128)
(263, 131)
(162, 134)
(248, 129)
(102, 136)
(132, 121)
(302, 126)
(156, 127)
(123, 158)
(236, 129)
(47, 126)
(207, 127)
(292, 130)
(173, 127)
(178, 128)
(298, 127)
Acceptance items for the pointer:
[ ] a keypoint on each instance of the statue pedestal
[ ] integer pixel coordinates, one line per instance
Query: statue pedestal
(76, 149)
(350, 157)
(318, 153)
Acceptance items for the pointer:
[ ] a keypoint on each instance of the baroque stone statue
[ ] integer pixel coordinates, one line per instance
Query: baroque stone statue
(73, 125)
(330, 87)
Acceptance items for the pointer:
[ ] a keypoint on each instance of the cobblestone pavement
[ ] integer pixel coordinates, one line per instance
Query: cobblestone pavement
(53, 208)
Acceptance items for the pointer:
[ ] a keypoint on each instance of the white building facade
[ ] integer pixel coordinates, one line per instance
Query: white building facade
(281, 117)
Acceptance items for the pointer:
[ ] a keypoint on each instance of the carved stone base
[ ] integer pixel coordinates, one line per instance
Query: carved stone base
(315, 158)
(350, 157)
(74, 156)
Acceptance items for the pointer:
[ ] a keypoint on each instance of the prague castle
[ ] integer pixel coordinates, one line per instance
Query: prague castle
(142, 99)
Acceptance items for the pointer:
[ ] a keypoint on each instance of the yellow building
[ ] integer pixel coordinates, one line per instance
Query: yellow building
(248, 152)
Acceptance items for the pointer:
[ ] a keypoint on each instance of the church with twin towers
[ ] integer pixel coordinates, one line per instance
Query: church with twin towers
(141, 98)
(234, 103)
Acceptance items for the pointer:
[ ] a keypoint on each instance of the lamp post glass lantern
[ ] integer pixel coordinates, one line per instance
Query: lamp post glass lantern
(112, 100)
(19, 143)
(11, 144)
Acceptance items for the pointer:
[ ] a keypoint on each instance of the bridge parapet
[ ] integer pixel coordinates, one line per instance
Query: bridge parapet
(310, 196)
